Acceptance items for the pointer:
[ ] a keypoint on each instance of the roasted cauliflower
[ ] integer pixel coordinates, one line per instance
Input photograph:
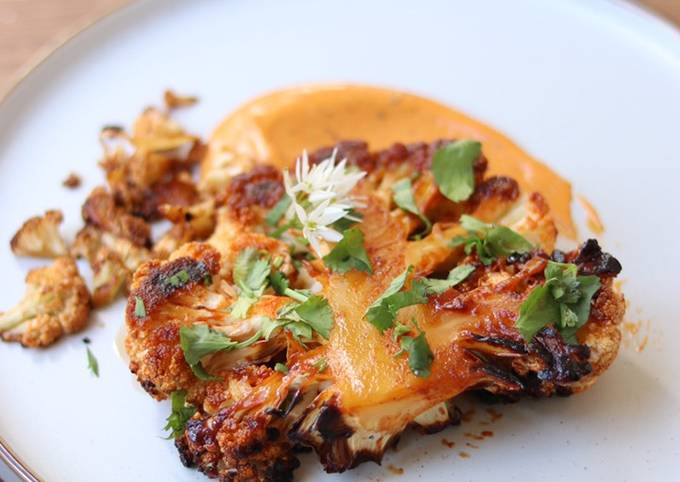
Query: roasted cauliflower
(151, 165)
(346, 341)
(56, 303)
(40, 237)
(113, 242)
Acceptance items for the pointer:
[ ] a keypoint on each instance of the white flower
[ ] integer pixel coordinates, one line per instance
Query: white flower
(323, 181)
(320, 197)
(316, 223)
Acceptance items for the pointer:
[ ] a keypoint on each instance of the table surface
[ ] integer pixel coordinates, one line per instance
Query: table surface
(30, 29)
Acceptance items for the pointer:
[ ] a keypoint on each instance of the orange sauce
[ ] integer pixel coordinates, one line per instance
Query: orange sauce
(395, 470)
(275, 128)
(448, 443)
(464, 455)
(593, 220)
(494, 414)
(467, 415)
(636, 334)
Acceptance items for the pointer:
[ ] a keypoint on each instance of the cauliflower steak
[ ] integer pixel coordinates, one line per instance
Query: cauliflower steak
(340, 343)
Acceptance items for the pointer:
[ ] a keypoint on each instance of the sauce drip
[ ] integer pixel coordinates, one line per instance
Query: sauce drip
(275, 129)
(593, 220)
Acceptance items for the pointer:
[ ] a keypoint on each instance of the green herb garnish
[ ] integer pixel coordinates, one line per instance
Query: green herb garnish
(489, 240)
(317, 313)
(384, 309)
(179, 279)
(456, 275)
(92, 363)
(140, 309)
(321, 364)
(302, 319)
(349, 253)
(281, 368)
(563, 300)
(453, 169)
(420, 355)
(274, 216)
(402, 194)
(180, 415)
(198, 341)
(251, 273)
(279, 282)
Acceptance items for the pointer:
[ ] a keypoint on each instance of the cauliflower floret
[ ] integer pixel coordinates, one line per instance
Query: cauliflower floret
(39, 236)
(110, 277)
(536, 223)
(191, 223)
(113, 260)
(56, 303)
(205, 298)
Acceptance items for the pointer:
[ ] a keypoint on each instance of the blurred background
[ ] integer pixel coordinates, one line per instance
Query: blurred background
(30, 29)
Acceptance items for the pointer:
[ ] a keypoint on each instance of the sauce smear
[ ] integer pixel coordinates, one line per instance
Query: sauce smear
(275, 128)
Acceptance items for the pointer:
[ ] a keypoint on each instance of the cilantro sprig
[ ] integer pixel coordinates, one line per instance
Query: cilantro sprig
(402, 194)
(416, 347)
(274, 216)
(563, 300)
(251, 274)
(199, 340)
(453, 169)
(92, 363)
(456, 276)
(300, 319)
(349, 253)
(383, 310)
(180, 414)
(140, 309)
(489, 240)
(313, 314)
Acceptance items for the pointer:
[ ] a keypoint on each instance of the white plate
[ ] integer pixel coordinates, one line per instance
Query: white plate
(592, 87)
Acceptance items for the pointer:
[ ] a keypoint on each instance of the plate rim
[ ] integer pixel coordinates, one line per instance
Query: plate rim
(655, 28)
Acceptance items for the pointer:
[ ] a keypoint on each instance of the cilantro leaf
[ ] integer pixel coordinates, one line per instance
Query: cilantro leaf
(420, 355)
(180, 414)
(538, 310)
(92, 363)
(178, 279)
(198, 341)
(456, 275)
(588, 285)
(140, 309)
(399, 329)
(301, 319)
(489, 240)
(453, 169)
(349, 253)
(320, 364)
(503, 241)
(279, 282)
(384, 309)
(274, 216)
(251, 273)
(402, 194)
(563, 300)
(281, 368)
(472, 224)
(317, 313)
